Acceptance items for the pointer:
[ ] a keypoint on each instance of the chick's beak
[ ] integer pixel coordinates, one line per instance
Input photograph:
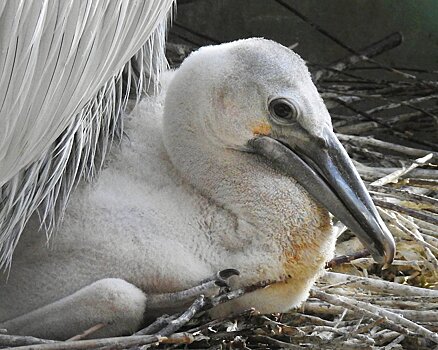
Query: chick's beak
(323, 167)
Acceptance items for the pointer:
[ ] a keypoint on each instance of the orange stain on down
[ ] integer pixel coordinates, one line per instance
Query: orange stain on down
(261, 128)
(298, 252)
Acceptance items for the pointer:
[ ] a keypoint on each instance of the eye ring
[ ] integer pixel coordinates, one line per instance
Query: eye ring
(283, 111)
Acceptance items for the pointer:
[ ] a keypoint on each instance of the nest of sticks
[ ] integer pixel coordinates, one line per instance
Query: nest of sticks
(386, 118)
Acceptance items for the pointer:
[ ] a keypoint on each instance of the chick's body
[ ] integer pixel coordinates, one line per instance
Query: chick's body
(173, 206)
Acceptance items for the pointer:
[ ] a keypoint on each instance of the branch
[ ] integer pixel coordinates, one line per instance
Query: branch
(378, 285)
(406, 326)
(387, 43)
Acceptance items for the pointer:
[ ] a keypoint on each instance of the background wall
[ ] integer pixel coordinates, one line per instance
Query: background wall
(355, 22)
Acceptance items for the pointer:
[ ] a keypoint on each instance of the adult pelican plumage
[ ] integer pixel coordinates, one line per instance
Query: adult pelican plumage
(225, 177)
(65, 75)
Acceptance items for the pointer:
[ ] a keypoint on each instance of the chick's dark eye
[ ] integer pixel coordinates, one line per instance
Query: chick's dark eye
(282, 110)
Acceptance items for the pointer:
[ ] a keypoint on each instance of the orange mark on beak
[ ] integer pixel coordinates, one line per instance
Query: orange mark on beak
(261, 128)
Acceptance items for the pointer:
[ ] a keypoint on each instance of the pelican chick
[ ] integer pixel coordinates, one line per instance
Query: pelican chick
(239, 171)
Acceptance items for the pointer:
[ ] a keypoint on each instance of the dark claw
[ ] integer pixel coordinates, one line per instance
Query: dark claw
(221, 283)
(222, 276)
(227, 273)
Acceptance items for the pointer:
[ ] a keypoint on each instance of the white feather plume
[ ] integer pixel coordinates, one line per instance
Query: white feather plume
(66, 72)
